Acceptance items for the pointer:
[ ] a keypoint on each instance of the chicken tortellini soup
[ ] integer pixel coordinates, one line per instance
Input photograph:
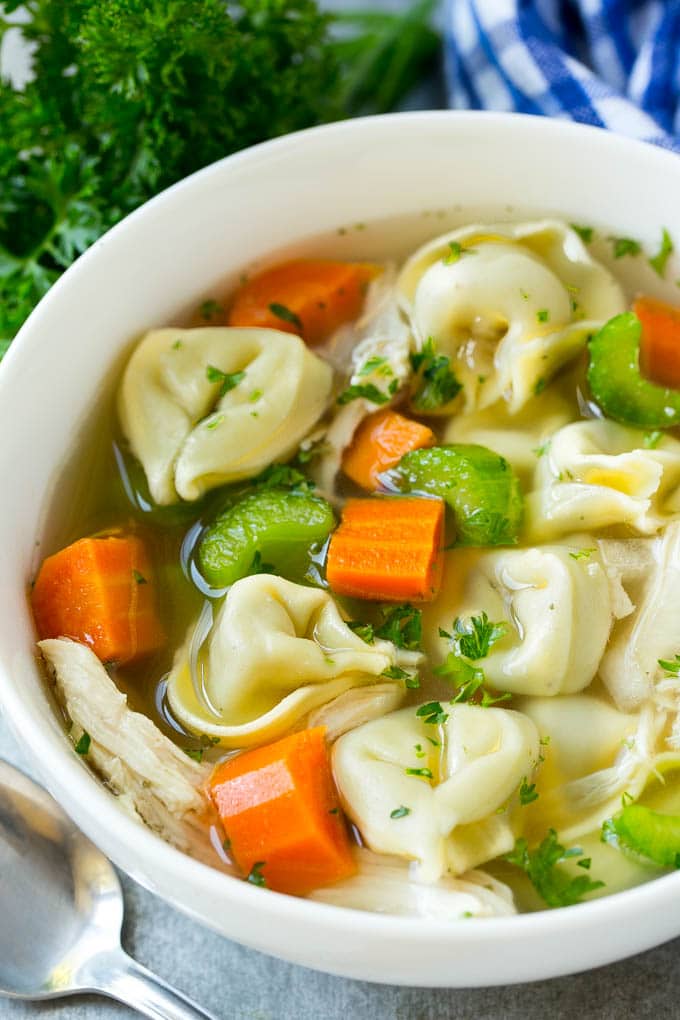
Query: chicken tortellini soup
(378, 600)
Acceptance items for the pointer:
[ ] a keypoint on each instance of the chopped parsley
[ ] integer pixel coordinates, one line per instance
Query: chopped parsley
(585, 233)
(402, 625)
(255, 876)
(367, 391)
(454, 254)
(194, 752)
(527, 792)
(652, 439)
(539, 386)
(363, 630)
(400, 812)
(334, 811)
(671, 666)
(82, 746)
(555, 885)
(465, 678)
(658, 261)
(582, 554)
(311, 451)
(412, 681)
(418, 748)
(139, 578)
(258, 567)
(215, 422)
(285, 314)
(395, 673)
(227, 380)
(177, 345)
(376, 366)
(421, 773)
(540, 450)
(623, 246)
(475, 636)
(281, 476)
(255, 395)
(543, 315)
(432, 713)
(210, 308)
(436, 384)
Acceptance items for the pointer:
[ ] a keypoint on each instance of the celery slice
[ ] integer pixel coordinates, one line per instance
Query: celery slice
(640, 830)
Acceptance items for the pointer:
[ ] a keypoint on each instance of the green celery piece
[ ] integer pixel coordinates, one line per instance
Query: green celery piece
(640, 830)
(278, 524)
(479, 486)
(616, 382)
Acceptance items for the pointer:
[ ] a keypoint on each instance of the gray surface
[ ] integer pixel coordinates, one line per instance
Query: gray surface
(239, 984)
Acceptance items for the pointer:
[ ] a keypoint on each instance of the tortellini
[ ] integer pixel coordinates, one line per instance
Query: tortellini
(511, 303)
(556, 603)
(450, 821)
(520, 437)
(202, 407)
(598, 473)
(630, 666)
(277, 650)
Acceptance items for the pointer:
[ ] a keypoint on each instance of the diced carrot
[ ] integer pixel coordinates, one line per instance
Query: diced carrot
(660, 342)
(100, 591)
(280, 811)
(388, 548)
(379, 443)
(310, 297)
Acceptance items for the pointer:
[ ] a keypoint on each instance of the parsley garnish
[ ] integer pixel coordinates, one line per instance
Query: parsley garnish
(456, 252)
(227, 380)
(255, 876)
(625, 246)
(400, 812)
(543, 315)
(285, 314)
(555, 885)
(539, 386)
(376, 366)
(540, 450)
(312, 450)
(367, 391)
(412, 681)
(432, 713)
(475, 636)
(258, 567)
(582, 554)
(436, 384)
(527, 792)
(139, 578)
(194, 752)
(671, 666)
(465, 678)
(215, 422)
(422, 773)
(402, 625)
(82, 746)
(585, 233)
(210, 308)
(255, 396)
(395, 673)
(281, 476)
(658, 261)
(363, 630)
(652, 439)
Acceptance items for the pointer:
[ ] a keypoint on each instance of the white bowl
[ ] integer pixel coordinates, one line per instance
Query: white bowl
(164, 258)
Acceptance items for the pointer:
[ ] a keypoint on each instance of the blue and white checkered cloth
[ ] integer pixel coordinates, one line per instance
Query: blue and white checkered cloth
(610, 63)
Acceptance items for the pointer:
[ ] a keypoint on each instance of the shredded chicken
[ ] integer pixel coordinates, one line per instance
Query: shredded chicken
(154, 781)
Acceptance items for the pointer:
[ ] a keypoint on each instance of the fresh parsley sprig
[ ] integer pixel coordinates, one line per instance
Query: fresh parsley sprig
(553, 884)
(436, 383)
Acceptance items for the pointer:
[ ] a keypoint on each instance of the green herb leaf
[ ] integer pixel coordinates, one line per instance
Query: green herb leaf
(582, 554)
(543, 315)
(422, 773)
(82, 746)
(671, 666)
(658, 262)
(400, 812)
(363, 630)
(194, 752)
(210, 308)
(258, 567)
(625, 246)
(285, 314)
(555, 885)
(465, 678)
(255, 876)
(226, 380)
(282, 476)
(652, 439)
(436, 383)
(527, 792)
(402, 625)
(395, 673)
(475, 636)
(367, 391)
(139, 578)
(585, 233)
(432, 713)
(376, 366)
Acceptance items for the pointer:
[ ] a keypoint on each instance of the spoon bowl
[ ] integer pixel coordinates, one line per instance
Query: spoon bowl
(62, 911)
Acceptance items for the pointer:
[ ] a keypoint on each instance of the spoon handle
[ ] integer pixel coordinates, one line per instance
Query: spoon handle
(129, 982)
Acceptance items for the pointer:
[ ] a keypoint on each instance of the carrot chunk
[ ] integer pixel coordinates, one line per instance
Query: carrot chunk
(388, 548)
(660, 341)
(280, 811)
(100, 591)
(310, 297)
(379, 443)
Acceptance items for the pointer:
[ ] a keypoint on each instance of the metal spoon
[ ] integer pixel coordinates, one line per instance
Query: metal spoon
(61, 911)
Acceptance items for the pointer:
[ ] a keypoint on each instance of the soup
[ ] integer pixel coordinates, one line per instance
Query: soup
(372, 596)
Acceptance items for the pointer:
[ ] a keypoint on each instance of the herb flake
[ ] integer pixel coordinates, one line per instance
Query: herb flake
(542, 865)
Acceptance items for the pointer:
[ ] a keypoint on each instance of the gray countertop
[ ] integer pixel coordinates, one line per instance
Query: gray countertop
(239, 984)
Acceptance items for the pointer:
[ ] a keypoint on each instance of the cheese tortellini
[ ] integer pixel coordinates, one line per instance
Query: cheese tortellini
(202, 407)
(556, 603)
(511, 303)
(452, 792)
(277, 650)
(598, 473)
